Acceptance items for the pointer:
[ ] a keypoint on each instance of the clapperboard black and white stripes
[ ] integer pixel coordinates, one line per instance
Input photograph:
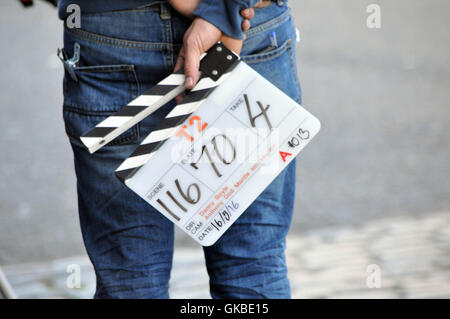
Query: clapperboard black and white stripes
(216, 151)
(134, 112)
(215, 65)
(168, 127)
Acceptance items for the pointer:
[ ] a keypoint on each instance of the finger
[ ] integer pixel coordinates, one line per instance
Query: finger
(179, 98)
(248, 13)
(179, 65)
(244, 13)
(245, 25)
(191, 63)
(180, 61)
(258, 5)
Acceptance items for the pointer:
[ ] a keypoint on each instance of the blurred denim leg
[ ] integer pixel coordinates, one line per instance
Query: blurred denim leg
(122, 54)
(248, 261)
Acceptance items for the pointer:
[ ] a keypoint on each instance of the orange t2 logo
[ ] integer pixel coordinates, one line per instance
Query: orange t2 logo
(200, 127)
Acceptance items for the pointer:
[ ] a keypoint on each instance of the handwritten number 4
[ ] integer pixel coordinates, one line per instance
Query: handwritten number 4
(263, 112)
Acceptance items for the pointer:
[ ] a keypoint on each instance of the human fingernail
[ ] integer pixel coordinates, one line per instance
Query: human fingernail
(189, 82)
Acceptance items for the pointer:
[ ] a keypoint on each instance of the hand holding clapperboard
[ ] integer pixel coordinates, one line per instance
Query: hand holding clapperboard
(216, 151)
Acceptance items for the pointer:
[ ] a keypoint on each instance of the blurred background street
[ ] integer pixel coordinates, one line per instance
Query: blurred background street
(372, 189)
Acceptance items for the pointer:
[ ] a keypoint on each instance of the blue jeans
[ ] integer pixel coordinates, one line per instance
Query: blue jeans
(122, 54)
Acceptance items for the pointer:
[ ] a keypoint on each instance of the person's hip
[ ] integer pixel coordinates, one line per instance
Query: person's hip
(123, 53)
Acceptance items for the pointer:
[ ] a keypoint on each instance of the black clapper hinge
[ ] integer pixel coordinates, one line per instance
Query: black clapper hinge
(217, 61)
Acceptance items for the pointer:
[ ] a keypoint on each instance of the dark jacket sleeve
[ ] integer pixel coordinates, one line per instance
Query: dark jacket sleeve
(224, 14)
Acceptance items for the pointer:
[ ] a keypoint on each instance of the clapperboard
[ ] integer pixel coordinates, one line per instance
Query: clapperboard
(216, 151)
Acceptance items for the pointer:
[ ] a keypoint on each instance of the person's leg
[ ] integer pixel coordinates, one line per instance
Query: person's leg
(248, 261)
(122, 54)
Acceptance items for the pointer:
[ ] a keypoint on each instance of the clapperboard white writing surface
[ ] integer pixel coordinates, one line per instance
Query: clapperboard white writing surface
(215, 162)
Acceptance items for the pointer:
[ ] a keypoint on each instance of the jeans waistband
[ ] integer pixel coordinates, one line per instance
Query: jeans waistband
(90, 6)
(113, 28)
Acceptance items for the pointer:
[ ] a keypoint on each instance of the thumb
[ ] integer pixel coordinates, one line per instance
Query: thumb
(191, 63)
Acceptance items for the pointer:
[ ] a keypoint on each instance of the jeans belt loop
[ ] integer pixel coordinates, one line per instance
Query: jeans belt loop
(164, 11)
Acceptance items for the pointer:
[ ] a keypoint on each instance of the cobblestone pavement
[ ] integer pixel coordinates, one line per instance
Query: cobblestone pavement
(409, 257)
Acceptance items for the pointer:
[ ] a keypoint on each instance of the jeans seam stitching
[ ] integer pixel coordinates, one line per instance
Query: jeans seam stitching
(106, 69)
(294, 72)
(134, 135)
(268, 24)
(131, 97)
(270, 55)
(148, 8)
(88, 36)
(80, 110)
(168, 34)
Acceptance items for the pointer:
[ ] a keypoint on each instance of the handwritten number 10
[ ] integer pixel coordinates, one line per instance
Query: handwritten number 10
(205, 150)
(189, 195)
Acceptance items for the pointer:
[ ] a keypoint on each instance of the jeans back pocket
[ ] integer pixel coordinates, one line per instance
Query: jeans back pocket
(279, 67)
(99, 92)
(270, 50)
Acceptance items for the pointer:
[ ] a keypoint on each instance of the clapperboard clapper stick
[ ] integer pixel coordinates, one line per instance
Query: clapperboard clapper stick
(212, 66)
(217, 150)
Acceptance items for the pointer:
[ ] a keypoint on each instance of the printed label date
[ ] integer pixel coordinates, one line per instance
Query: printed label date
(205, 232)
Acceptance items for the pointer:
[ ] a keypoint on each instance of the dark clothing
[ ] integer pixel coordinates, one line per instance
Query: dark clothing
(224, 14)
